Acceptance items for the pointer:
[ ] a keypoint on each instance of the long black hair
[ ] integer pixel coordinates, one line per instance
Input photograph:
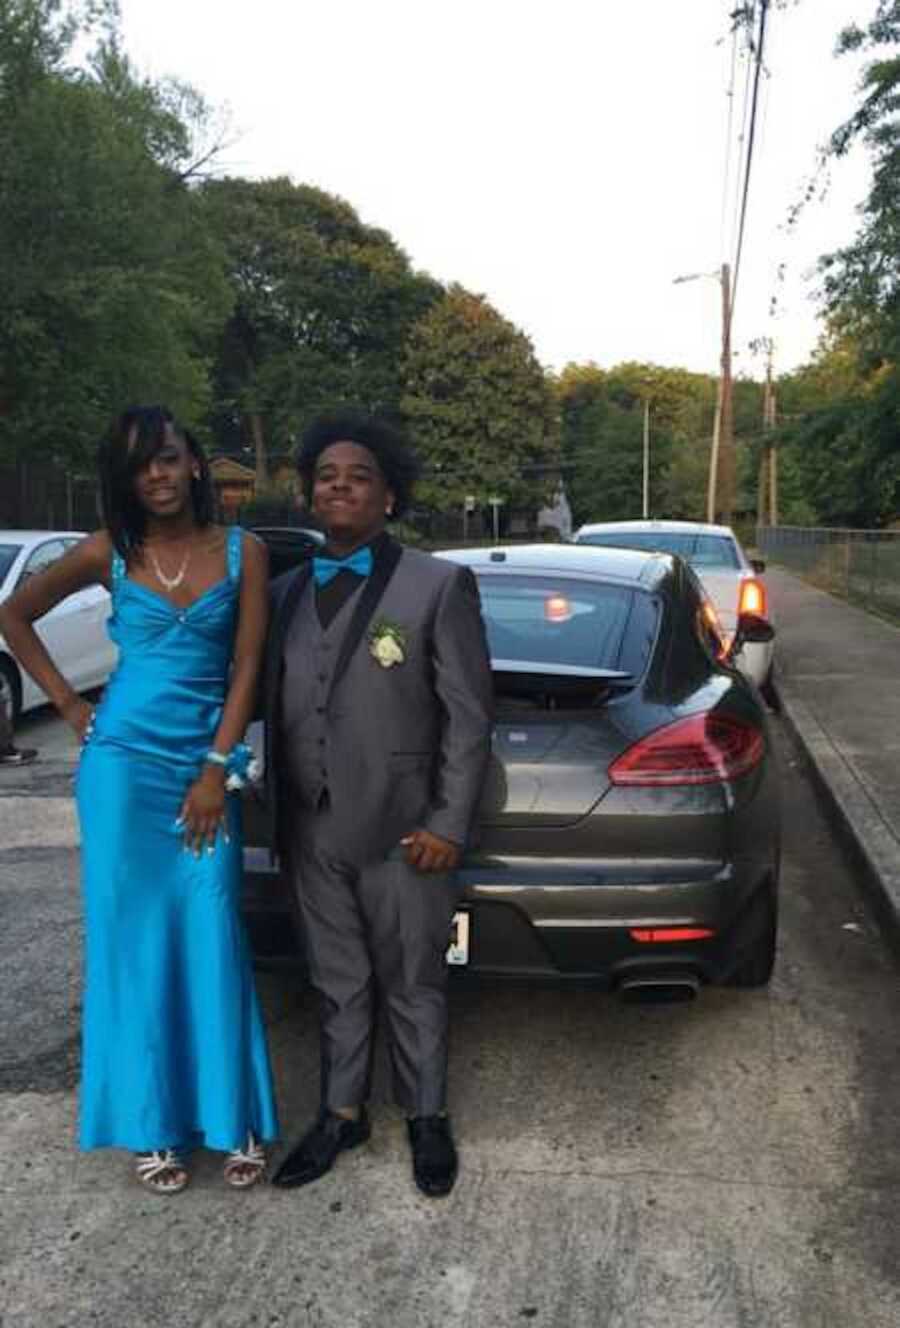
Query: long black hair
(396, 461)
(134, 438)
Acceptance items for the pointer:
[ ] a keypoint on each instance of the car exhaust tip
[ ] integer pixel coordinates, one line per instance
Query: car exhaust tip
(660, 990)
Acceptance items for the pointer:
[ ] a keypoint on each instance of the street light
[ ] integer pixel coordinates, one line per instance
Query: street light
(722, 439)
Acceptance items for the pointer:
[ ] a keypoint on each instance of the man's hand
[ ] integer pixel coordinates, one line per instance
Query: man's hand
(429, 853)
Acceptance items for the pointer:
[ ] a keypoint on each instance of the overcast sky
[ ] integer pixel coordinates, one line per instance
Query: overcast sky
(564, 157)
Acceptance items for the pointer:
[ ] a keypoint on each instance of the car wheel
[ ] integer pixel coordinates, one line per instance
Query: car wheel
(757, 960)
(10, 690)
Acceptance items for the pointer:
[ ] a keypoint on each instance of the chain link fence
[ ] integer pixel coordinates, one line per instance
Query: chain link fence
(861, 565)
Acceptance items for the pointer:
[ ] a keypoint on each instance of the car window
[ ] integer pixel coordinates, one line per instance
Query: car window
(42, 557)
(8, 555)
(714, 551)
(710, 551)
(544, 620)
(652, 541)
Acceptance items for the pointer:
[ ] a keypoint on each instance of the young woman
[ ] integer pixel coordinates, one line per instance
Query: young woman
(174, 1052)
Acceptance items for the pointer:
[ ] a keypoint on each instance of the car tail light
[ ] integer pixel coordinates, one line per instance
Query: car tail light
(664, 935)
(753, 598)
(702, 749)
(557, 609)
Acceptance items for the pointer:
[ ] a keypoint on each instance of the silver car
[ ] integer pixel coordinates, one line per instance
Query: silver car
(732, 581)
(629, 829)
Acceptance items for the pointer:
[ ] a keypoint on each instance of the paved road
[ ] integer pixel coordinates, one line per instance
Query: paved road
(734, 1163)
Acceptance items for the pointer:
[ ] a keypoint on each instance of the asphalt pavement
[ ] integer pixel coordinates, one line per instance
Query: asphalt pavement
(838, 676)
(733, 1163)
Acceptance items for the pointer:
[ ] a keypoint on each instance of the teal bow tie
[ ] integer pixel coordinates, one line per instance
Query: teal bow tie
(325, 568)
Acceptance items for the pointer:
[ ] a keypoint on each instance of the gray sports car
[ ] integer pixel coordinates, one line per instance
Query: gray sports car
(629, 829)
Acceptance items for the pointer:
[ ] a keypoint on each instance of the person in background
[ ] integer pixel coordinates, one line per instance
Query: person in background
(174, 1052)
(10, 754)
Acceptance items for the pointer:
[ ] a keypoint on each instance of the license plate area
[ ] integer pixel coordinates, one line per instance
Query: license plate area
(460, 932)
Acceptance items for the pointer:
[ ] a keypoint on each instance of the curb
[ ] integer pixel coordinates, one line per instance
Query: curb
(857, 813)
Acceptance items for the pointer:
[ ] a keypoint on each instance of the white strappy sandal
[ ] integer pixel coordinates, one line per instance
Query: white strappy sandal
(245, 1166)
(162, 1171)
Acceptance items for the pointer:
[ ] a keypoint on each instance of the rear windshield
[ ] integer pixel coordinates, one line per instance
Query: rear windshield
(698, 550)
(557, 620)
(7, 558)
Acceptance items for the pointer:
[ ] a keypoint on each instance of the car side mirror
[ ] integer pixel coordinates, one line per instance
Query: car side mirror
(758, 565)
(751, 630)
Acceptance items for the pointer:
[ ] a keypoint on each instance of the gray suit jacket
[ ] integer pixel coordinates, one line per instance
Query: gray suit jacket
(409, 745)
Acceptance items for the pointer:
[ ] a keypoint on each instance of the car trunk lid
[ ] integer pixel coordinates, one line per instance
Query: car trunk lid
(556, 734)
(724, 589)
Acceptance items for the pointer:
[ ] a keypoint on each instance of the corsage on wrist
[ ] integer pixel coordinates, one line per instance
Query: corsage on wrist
(240, 765)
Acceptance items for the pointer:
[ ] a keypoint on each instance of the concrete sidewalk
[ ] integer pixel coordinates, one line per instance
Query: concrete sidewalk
(838, 675)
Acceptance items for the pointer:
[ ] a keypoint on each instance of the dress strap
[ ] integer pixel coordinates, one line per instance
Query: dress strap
(234, 551)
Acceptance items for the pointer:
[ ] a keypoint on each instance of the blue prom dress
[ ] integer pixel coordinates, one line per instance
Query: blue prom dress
(174, 1050)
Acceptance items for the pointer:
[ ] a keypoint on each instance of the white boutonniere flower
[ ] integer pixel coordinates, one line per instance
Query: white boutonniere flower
(387, 644)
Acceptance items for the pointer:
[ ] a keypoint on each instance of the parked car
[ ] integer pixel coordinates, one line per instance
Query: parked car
(288, 545)
(74, 632)
(629, 828)
(731, 580)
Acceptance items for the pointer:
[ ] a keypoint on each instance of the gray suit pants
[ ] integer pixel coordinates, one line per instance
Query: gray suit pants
(374, 926)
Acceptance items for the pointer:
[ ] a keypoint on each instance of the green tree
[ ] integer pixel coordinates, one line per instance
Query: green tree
(843, 438)
(322, 307)
(479, 407)
(109, 289)
(862, 280)
(838, 444)
(602, 439)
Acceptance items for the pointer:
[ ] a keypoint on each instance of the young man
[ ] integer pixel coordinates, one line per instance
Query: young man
(379, 716)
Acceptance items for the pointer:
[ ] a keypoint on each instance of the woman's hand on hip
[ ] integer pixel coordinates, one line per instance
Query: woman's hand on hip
(203, 810)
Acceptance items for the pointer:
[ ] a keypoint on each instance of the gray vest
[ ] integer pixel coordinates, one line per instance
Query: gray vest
(310, 653)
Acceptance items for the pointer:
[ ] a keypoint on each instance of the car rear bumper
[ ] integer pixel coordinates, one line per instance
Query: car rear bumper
(755, 661)
(574, 923)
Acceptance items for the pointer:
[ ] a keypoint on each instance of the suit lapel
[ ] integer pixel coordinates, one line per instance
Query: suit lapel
(386, 560)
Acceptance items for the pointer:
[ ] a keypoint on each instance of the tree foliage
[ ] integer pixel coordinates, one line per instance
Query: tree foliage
(842, 437)
(602, 439)
(479, 407)
(322, 307)
(109, 288)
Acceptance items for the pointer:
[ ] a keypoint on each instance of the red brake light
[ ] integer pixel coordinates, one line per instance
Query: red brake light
(557, 609)
(663, 935)
(702, 749)
(753, 598)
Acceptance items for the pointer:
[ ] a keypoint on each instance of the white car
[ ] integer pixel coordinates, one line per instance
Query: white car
(74, 632)
(732, 582)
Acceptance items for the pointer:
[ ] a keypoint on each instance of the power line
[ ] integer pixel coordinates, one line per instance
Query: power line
(760, 46)
(729, 131)
(742, 140)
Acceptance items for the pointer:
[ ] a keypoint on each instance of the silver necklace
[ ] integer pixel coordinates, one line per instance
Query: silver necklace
(170, 583)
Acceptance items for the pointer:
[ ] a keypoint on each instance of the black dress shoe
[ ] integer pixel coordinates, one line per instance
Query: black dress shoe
(433, 1154)
(317, 1150)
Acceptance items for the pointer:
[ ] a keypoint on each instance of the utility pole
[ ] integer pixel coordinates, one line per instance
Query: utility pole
(646, 491)
(773, 464)
(767, 484)
(725, 480)
(720, 486)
